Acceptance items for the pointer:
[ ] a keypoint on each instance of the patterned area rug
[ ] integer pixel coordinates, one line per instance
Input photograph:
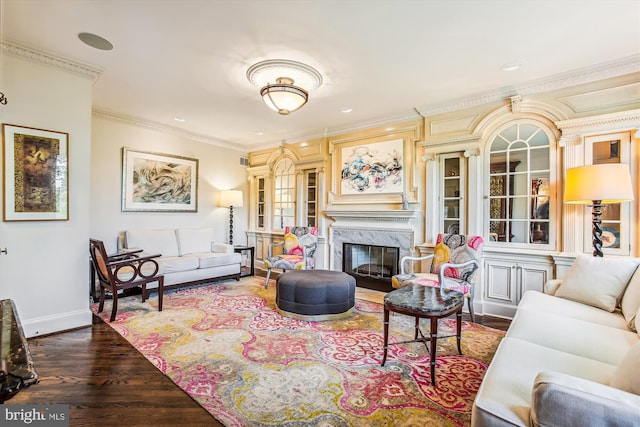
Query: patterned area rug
(227, 347)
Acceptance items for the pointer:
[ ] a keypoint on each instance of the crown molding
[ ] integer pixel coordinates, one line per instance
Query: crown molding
(51, 60)
(159, 127)
(629, 118)
(603, 71)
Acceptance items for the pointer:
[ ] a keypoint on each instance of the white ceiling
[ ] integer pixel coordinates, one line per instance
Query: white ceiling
(382, 58)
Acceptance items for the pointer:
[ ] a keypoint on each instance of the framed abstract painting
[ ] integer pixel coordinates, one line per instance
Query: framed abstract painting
(35, 174)
(156, 182)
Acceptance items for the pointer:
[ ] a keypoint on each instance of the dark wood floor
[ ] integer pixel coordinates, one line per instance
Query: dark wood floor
(106, 382)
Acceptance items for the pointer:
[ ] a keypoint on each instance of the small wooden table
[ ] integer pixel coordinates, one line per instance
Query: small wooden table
(424, 302)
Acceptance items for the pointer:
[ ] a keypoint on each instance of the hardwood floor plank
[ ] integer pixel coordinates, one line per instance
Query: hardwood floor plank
(106, 382)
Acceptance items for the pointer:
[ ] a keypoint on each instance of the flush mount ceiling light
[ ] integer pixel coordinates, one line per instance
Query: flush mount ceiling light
(277, 78)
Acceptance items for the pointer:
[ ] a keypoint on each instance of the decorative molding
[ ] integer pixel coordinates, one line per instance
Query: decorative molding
(472, 152)
(399, 216)
(622, 118)
(171, 130)
(516, 104)
(570, 140)
(611, 69)
(52, 60)
(429, 157)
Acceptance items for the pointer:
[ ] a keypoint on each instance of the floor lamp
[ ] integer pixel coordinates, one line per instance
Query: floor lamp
(597, 185)
(230, 199)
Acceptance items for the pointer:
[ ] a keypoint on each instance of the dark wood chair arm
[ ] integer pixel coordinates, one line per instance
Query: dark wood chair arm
(138, 259)
(130, 270)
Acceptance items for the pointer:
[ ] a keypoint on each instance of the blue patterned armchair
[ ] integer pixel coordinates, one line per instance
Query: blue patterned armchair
(455, 265)
(298, 251)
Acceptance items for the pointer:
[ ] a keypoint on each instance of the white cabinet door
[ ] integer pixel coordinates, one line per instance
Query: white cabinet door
(506, 281)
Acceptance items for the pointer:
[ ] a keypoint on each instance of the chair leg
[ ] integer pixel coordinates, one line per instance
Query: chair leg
(160, 292)
(266, 281)
(102, 298)
(144, 292)
(470, 305)
(114, 308)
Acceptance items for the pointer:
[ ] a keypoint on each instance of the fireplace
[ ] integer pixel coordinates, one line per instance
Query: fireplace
(371, 265)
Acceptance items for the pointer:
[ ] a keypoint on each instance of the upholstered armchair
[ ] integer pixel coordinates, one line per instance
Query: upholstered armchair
(298, 251)
(455, 265)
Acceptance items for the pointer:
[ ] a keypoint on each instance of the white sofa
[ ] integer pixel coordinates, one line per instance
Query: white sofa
(571, 356)
(189, 255)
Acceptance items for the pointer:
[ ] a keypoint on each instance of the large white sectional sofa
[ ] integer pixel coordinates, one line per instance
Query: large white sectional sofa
(189, 255)
(571, 356)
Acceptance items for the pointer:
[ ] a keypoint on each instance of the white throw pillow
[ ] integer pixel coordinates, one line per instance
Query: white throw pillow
(597, 281)
(627, 375)
(631, 301)
(194, 240)
(153, 242)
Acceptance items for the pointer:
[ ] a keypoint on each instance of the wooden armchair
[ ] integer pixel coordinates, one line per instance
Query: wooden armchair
(120, 274)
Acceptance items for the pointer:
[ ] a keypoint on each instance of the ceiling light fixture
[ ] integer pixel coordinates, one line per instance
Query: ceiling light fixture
(277, 79)
(283, 96)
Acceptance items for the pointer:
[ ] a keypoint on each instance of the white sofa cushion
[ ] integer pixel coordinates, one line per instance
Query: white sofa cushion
(627, 375)
(194, 240)
(631, 300)
(543, 303)
(597, 281)
(573, 336)
(177, 263)
(153, 242)
(504, 398)
(208, 260)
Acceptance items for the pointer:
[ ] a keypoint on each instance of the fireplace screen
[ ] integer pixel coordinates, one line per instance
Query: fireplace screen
(377, 262)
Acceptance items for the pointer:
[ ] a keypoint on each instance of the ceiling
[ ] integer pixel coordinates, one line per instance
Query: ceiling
(386, 60)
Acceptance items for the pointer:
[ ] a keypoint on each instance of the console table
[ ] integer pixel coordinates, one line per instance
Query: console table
(16, 366)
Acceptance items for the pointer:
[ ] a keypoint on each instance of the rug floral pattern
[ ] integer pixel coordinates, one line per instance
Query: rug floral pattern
(226, 346)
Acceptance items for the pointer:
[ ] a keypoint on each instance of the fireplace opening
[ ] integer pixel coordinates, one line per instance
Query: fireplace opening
(372, 266)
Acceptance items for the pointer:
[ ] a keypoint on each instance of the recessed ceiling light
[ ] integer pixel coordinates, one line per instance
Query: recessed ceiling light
(179, 119)
(346, 110)
(511, 66)
(95, 41)
(259, 133)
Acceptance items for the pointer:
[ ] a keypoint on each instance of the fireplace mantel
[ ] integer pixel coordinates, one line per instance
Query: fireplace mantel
(395, 216)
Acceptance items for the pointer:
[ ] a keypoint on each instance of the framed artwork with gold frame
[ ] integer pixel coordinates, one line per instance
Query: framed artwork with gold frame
(35, 174)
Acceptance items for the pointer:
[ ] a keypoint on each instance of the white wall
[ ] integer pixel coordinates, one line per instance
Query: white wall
(219, 169)
(46, 268)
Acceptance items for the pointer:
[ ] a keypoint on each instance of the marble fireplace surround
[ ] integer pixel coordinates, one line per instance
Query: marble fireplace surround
(393, 228)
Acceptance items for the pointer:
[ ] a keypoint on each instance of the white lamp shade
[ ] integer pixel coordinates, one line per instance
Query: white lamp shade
(608, 182)
(229, 198)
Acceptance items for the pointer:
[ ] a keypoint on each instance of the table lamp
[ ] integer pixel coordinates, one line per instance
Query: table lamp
(230, 199)
(597, 185)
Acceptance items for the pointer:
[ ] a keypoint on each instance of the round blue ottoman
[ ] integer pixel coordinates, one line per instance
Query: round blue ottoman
(315, 295)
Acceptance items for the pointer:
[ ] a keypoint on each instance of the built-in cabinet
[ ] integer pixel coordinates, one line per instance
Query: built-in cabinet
(507, 277)
(506, 177)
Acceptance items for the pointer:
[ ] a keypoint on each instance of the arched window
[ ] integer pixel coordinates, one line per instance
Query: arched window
(520, 185)
(284, 196)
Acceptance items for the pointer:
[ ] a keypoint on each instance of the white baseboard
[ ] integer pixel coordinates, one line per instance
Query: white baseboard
(59, 322)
